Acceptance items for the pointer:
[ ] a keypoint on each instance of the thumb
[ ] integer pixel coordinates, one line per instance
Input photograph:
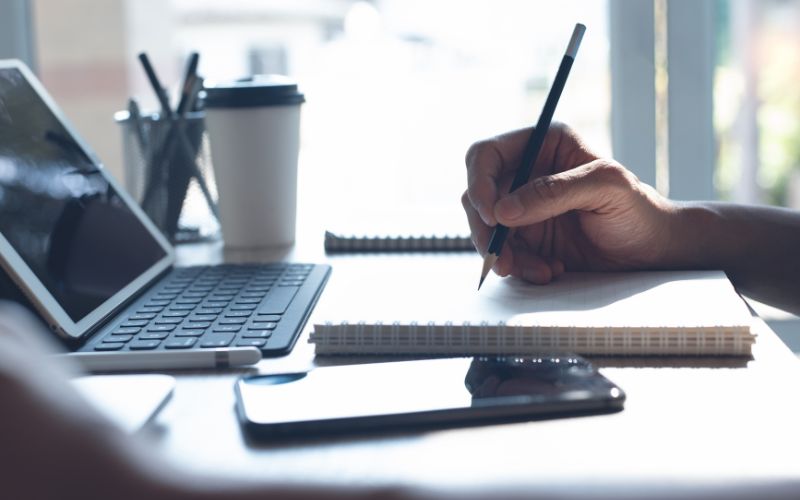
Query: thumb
(594, 186)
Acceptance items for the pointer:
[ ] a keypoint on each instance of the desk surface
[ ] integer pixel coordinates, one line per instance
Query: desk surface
(701, 420)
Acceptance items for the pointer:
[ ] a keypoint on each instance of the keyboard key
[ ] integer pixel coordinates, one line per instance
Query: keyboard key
(157, 302)
(268, 317)
(160, 328)
(134, 324)
(210, 310)
(233, 321)
(238, 314)
(153, 335)
(175, 314)
(251, 343)
(206, 282)
(181, 343)
(182, 307)
(139, 316)
(216, 303)
(257, 334)
(182, 280)
(227, 328)
(217, 340)
(247, 301)
(149, 309)
(262, 325)
(126, 331)
(109, 346)
(202, 317)
(189, 300)
(188, 333)
(117, 338)
(203, 285)
(295, 276)
(198, 325)
(277, 300)
(243, 307)
(239, 280)
(168, 321)
(144, 345)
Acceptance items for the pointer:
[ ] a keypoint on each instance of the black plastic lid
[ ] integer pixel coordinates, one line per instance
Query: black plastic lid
(259, 90)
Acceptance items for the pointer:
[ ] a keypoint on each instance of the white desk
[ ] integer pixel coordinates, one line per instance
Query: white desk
(708, 422)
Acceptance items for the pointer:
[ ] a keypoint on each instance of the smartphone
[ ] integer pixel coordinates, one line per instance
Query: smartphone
(422, 394)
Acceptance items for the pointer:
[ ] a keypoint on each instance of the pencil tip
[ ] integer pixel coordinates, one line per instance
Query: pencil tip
(488, 262)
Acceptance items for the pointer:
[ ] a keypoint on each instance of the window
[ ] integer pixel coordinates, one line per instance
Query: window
(757, 101)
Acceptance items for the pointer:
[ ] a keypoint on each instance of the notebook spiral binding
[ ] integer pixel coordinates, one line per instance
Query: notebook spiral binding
(501, 338)
(338, 243)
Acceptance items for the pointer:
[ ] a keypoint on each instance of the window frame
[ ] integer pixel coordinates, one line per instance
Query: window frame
(16, 32)
(690, 144)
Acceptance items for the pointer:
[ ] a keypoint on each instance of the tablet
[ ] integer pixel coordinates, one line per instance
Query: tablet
(423, 393)
(70, 238)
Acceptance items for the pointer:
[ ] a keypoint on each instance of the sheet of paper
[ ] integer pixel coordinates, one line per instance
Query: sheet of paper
(665, 299)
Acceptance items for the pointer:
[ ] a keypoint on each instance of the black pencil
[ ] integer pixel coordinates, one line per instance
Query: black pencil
(188, 88)
(534, 145)
(161, 95)
(181, 170)
(135, 117)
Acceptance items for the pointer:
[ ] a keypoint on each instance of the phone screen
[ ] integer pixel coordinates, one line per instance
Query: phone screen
(434, 392)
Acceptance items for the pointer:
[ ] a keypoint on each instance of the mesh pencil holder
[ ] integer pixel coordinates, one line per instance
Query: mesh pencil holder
(168, 172)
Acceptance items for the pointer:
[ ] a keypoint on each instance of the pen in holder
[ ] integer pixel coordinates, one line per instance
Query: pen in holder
(168, 172)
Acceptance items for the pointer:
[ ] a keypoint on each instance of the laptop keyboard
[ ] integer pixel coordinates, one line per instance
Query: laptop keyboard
(230, 305)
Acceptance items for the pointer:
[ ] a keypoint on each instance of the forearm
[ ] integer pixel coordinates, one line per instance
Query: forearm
(756, 246)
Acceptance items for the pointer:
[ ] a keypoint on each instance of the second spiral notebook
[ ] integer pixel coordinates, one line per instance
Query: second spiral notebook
(420, 229)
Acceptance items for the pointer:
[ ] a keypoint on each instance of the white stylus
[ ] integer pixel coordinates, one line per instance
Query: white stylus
(165, 360)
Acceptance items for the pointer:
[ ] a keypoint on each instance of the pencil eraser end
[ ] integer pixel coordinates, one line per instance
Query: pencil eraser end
(575, 41)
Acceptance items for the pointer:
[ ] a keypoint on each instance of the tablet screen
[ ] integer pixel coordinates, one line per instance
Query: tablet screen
(58, 210)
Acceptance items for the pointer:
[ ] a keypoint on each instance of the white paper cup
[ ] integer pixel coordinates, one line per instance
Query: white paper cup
(254, 133)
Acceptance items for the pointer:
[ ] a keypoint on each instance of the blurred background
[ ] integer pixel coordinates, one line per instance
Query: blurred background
(407, 85)
(697, 97)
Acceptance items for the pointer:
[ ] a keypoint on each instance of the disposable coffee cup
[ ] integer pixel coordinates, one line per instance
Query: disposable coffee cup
(253, 129)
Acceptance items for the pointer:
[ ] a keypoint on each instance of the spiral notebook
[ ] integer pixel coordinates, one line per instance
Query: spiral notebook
(420, 229)
(627, 313)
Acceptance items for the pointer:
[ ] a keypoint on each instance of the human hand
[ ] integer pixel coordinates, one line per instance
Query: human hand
(578, 212)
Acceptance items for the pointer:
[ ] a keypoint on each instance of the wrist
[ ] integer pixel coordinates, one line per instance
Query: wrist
(696, 237)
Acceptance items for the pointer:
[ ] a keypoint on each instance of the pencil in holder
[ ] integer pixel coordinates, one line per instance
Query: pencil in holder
(168, 171)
